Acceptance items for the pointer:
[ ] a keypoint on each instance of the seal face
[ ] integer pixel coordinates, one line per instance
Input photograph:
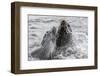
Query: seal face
(63, 34)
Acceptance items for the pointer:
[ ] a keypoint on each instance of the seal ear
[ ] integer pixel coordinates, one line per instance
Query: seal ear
(69, 28)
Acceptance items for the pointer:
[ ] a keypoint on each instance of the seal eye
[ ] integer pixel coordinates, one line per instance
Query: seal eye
(68, 25)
